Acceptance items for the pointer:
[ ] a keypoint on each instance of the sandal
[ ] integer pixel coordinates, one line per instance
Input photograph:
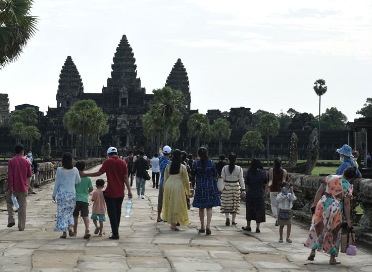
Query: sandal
(227, 222)
(333, 261)
(71, 233)
(87, 236)
(311, 256)
(208, 231)
(247, 228)
(233, 223)
(201, 230)
(159, 220)
(175, 229)
(63, 236)
(96, 231)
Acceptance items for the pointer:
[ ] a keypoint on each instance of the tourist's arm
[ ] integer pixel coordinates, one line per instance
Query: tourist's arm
(126, 182)
(10, 176)
(317, 197)
(93, 174)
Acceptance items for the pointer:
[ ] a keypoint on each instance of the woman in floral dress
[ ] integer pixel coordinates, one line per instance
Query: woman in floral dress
(331, 201)
(64, 190)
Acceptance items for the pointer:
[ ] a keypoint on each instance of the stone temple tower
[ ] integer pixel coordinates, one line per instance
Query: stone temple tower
(178, 80)
(70, 85)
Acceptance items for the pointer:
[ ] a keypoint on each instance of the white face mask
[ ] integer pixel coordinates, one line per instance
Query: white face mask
(342, 159)
(29, 154)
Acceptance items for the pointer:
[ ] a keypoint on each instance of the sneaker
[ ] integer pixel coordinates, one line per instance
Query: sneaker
(281, 240)
(142, 196)
(289, 240)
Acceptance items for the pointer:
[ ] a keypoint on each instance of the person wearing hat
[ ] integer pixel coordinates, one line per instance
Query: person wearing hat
(346, 155)
(163, 162)
(117, 179)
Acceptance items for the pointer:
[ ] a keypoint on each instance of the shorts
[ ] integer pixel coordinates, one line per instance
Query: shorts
(288, 221)
(82, 207)
(99, 217)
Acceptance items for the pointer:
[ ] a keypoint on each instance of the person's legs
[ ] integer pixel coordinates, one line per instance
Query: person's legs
(209, 217)
(75, 224)
(257, 227)
(9, 207)
(157, 176)
(227, 219)
(281, 233)
(22, 201)
(274, 204)
(160, 202)
(119, 203)
(153, 179)
(143, 186)
(100, 228)
(233, 218)
(112, 214)
(138, 185)
(289, 227)
(201, 217)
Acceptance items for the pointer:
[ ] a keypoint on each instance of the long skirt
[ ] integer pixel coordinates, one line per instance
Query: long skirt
(230, 197)
(66, 202)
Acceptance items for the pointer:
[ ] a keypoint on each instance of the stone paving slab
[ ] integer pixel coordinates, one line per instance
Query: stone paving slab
(146, 245)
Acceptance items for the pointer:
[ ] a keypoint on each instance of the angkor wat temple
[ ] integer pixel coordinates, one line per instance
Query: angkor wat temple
(125, 102)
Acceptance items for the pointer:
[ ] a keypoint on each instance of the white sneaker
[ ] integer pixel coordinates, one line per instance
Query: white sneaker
(142, 196)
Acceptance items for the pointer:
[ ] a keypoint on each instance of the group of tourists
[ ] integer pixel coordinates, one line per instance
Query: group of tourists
(172, 173)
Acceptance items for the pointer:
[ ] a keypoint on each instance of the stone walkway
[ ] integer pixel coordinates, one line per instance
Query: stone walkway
(146, 245)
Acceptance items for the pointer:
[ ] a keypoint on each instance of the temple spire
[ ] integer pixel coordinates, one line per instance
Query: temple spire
(70, 85)
(178, 80)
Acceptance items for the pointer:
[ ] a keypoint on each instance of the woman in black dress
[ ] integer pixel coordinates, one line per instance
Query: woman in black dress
(256, 185)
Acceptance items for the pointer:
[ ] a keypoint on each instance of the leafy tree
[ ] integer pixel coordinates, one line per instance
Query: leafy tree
(22, 126)
(320, 88)
(284, 120)
(165, 114)
(292, 112)
(252, 141)
(333, 119)
(17, 26)
(268, 126)
(220, 130)
(256, 117)
(87, 120)
(198, 126)
(366, 111)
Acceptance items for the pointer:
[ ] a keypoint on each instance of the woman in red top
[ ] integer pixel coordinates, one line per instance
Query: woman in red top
(277, 175)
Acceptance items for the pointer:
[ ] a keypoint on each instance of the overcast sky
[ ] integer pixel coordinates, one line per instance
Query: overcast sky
(239, 53)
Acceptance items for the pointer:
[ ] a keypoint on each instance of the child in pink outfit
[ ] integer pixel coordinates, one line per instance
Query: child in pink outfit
(99, 207)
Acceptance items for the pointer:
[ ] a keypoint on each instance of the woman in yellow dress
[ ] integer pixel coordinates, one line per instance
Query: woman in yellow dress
(176, 187)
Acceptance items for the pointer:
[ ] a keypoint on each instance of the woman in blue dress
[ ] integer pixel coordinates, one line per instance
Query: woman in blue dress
(206, 192)
(256, 186)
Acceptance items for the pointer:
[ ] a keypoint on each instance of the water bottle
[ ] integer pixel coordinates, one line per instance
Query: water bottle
(128, 207)
(15, 202)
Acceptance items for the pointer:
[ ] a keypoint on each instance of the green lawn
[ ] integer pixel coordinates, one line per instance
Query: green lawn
(323, 170)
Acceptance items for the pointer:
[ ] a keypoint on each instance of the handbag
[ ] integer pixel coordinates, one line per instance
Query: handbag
(347, 240)
(284, 214)
(147, 176)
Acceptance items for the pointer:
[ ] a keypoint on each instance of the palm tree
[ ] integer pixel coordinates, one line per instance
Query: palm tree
(16, 28)
(268, 126)
(320, 88)
(221, 131)
(85, 118)
(167, 107)
(198, 126)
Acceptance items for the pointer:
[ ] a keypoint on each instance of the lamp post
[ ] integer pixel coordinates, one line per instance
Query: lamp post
(320, 88)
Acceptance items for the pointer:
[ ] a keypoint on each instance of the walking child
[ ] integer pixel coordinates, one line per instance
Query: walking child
(99, 207)
(285, 203)
(83, 189)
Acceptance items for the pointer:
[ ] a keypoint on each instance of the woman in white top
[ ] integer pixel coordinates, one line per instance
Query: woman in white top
(64, 190)
(155, 170)
(234, 186)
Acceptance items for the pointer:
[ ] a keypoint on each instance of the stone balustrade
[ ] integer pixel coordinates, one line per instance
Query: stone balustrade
(46, 172)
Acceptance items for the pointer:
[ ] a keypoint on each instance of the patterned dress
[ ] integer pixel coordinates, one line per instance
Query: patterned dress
(206, 191)
(230, 196)
(325, 230)
(255, 201)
